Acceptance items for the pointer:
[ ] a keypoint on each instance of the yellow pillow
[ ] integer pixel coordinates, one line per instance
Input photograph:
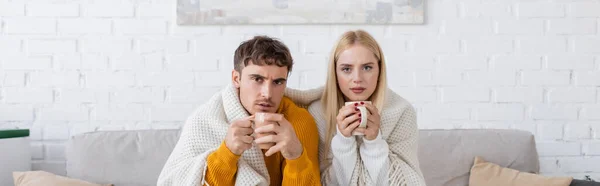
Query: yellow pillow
(489, 174)
(42, 178)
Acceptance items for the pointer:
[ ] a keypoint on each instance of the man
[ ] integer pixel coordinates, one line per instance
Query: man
(217, 144)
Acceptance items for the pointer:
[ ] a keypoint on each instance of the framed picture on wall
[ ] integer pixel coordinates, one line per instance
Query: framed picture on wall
(222, 12)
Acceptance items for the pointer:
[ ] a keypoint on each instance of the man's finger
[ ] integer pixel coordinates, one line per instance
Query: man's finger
(243, 131)
(247, 139)
(273, 117)
(270, 128)
(267, 139)
(274, 149)
(244, 122)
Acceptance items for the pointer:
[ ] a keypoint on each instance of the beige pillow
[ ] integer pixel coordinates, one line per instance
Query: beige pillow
(489, 174)
(42, 178)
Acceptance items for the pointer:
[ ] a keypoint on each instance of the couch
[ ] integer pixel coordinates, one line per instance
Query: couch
(135, 158)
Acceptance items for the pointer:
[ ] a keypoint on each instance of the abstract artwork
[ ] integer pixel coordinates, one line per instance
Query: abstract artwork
(221, 12)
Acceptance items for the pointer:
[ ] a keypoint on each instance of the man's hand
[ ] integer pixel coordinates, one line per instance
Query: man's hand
(238, 137)
(284, 137)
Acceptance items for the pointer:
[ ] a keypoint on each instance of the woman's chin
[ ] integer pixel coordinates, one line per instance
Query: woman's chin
(357, 98)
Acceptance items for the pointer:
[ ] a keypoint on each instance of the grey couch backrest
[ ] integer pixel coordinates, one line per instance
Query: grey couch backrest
(446, 156)
(135, 158)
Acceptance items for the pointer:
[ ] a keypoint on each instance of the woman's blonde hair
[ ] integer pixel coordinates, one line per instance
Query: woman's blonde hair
(332, 98)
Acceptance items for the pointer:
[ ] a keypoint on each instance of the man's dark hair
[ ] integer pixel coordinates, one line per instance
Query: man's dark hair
(262, 50)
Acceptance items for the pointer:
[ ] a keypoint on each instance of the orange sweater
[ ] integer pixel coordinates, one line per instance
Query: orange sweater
(222, 164)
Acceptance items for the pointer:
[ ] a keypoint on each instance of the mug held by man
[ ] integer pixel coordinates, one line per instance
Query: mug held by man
(260, 121)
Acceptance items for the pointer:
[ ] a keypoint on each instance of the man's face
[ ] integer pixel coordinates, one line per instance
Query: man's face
(261, 87)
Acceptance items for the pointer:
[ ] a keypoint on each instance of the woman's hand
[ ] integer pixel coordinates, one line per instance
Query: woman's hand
(373, 122)
(348, 119)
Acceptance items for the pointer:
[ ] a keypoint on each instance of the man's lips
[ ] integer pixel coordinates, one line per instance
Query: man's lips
(264, 105)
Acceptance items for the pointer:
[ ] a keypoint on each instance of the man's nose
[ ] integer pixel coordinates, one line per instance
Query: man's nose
(266, 91)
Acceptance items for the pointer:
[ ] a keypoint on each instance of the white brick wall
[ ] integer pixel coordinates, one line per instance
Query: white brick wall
(520, 27)
(584, 9)
(135, 27)
(519, 95)
(570, 62)
(12, 9)
(107, 10)
(43, 46)
(542, 45)
(68, 67)
(29, 25)
(9, 44)
(54, 79)
(541, 78)
(540, 10)
(52, 10)
(572, 26)
(589, 44)
(84, 26)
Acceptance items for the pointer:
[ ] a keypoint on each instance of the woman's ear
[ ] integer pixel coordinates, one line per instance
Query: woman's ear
(235, 78)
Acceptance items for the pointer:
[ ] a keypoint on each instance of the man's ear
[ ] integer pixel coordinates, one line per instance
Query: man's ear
(236, 78)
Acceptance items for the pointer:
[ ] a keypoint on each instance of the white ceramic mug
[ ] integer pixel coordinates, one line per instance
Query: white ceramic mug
(364, 113)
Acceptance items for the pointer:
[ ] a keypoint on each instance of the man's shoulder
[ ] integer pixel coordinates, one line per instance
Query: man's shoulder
(289, 105)
(295, 112)
(211, 107)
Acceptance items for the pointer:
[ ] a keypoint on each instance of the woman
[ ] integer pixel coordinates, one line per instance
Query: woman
(387, 152)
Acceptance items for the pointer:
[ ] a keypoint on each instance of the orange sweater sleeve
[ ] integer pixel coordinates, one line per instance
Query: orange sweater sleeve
(305, 169)
(221, 167)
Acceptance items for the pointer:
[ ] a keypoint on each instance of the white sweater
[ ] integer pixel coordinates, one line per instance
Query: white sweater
(390, 159)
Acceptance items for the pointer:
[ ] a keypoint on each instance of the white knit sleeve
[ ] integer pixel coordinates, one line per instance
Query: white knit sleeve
(304, 98)
(403, 156)
(374, 155)
(345, 158)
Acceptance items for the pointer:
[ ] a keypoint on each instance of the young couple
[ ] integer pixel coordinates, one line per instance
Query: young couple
(256, 132)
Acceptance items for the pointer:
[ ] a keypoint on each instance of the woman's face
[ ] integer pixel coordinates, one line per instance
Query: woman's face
(357, 72)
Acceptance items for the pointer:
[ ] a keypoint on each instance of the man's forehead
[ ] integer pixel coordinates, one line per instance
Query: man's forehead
(267, 71)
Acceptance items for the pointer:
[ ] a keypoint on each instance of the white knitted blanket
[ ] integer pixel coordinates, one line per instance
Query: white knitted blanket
(201, 135)
(398, 128)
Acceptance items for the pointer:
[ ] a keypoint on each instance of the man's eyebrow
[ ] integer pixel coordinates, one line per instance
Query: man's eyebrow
(280, 79)
(256, 76)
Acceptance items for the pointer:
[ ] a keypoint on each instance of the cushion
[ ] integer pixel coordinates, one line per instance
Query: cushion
(489, 174)
(39, 178)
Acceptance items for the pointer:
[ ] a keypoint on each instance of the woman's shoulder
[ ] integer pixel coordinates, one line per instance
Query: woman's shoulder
(396, 102)
(316, 108)
(304, 97)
